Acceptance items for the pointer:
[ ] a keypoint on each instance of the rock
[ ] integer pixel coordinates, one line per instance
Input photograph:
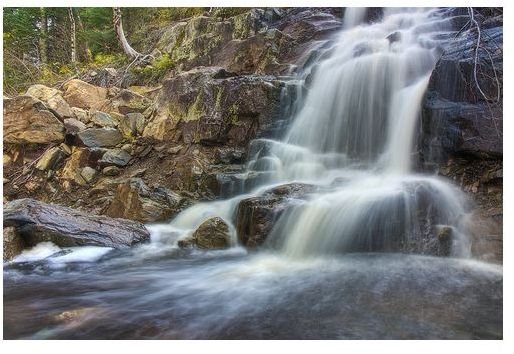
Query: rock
(42, 92)
(116, 157)
(103, 119)
(256, 216)
(111, 171)
(13, 243)
(38, 222)
(201, 109)
(60, 106)
(73, 167)
(445, 234)
(65, 148)
(50, 159)
(83, 95)
(52, 97)
(136, 201)
(73, 125)
(212, 234)
(132, 124)
(28, 121)
(89, 174)
(81, 114)
(100, 137)
(126, 101)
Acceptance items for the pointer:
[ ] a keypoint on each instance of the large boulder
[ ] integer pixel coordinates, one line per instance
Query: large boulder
(136, 201)
(256, 216)
(212, 234)
(28, 121)
(199, 107)
(83, 95)
(36, 222)
(53, 99)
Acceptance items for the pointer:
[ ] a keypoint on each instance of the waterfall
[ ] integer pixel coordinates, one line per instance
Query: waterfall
(353, 134)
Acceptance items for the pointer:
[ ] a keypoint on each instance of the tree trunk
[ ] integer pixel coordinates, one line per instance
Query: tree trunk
(88, 57)
(43, 38)
(118, 26)
(73, 36)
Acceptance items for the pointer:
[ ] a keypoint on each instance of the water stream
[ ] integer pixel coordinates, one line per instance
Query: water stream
(321, 274)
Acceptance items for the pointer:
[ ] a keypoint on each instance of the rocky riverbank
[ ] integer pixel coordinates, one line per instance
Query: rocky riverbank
(145, 153)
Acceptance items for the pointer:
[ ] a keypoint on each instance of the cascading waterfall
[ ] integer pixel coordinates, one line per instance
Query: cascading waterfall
(354, 133)
(351, 139)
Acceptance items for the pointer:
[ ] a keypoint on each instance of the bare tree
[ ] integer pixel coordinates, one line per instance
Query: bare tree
(73, 36)
(118, 26)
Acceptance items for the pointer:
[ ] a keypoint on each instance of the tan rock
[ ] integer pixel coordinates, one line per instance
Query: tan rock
(73, 167)
(83, 95)
(50, 159)
(13, 243)
(52, 97)
(28, 121)
(136, 201)
(81, 114)
(42, 92)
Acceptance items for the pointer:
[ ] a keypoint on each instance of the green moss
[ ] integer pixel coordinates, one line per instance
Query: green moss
(234, 114)
(219, 96)
(195, 111)
(242, 26)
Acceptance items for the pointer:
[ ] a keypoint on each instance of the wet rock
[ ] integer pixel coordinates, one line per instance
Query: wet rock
(111, 171)
(83, 95)
(38, 222)
(211, 234)
(103, 119)
(256, 216)
(100, 137)
(13, 243)
(116, 157)
(50, 159)
(136, 201)
(445, 234)
(28, 121)
(73, 125)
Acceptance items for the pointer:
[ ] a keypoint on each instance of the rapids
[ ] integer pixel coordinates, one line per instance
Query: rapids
(320, 274)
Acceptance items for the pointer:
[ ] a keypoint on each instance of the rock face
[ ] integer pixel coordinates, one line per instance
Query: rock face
(28, 121)
(136, 201)
(37, 222)
(83, 95)
(211, 234)
(195, 107)
(462, 126)
(256, 216)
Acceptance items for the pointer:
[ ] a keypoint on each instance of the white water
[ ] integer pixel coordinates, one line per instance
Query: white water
(354, 133)
(357, 124)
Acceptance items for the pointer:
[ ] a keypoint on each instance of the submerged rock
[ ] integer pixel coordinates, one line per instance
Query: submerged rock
(36, 222)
